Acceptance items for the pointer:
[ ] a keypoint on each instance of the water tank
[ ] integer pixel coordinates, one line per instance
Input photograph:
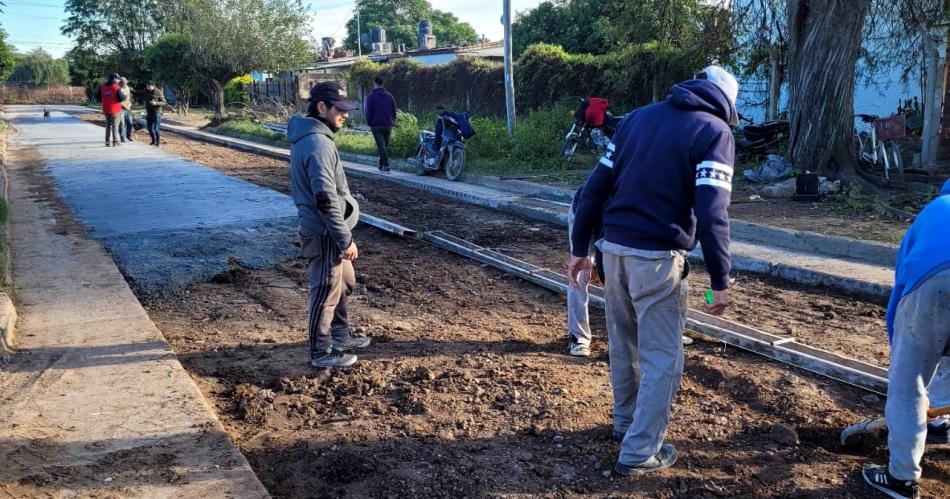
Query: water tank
(326, 46)
(378, 35)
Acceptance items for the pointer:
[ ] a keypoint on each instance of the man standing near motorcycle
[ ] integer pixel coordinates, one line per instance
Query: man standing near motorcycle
(664, 182)
(328, 214)
(381, 117)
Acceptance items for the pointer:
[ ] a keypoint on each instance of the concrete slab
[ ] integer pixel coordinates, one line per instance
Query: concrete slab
(168, 222)
(94, 401)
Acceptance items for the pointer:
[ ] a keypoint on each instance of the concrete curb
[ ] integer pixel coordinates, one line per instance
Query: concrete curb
(555, 212)
(7, 309)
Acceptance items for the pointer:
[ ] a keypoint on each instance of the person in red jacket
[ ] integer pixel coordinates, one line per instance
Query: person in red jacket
(112, 98)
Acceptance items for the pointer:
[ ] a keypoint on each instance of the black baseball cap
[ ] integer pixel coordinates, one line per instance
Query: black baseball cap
(333, 93)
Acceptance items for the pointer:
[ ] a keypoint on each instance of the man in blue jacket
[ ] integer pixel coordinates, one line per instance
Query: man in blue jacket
(665, 180)
(381, 117)
(918, 326)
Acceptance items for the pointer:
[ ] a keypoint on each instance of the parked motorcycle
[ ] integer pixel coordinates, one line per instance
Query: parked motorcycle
(455, 129)
(592, 129)
(757, 139)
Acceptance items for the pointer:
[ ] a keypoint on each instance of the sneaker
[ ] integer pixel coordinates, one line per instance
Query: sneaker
(663, 459)
(578, 349)
(333, 358)
(351, 341)
(687, 340)
(938, 431)
(881, 479)
(384, 169)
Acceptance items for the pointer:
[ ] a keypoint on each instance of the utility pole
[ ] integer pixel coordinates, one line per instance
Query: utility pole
(359, 34)
(509, 74)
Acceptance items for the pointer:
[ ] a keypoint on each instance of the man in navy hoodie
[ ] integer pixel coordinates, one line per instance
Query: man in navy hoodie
(664, 182)
(381, 117)
(918, 326)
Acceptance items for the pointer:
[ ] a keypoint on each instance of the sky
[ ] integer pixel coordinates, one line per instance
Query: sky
(35, 23)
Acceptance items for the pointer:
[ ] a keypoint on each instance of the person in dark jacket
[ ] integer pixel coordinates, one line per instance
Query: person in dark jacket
(111, 96)
(381, 117)
(328, 213)
(664, 181)
(154, 103)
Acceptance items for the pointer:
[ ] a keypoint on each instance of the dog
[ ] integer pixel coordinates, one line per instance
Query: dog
(46, 115)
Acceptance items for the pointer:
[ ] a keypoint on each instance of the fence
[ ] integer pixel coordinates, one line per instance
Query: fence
(52, 94)
(283, 89)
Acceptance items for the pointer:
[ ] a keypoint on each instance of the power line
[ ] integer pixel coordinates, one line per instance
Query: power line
(33, 4)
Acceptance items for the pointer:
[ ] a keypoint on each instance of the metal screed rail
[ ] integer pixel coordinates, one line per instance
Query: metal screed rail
(781, 348)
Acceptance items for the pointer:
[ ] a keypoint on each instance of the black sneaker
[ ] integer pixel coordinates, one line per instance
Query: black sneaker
(350, 341)
(662, 460)
(938, 432)
(333, 358)
(879, 478)
(384, 169)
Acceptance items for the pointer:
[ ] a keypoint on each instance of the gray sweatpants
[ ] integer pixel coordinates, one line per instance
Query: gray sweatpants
(578, 314)
(332, 279)
(646, 314)
(921, 339)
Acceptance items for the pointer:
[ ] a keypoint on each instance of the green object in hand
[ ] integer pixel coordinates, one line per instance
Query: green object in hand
(709, 297)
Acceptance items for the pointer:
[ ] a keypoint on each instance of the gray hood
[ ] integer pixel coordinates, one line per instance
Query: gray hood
(301, 126)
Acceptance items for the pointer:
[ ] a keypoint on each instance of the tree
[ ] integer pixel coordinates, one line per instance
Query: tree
(234, 37)
(579, 26)
(400, 19)
(171, 61)
(7, 59)
(762, 46)
(823, 48)
(87, 69)
(38, 67)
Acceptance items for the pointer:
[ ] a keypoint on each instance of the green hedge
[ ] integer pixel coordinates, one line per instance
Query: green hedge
(545, 75)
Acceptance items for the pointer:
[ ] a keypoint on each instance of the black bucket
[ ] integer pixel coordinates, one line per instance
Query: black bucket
(806, 187)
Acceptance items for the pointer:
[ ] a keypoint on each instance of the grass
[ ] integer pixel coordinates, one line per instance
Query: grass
(250, 130)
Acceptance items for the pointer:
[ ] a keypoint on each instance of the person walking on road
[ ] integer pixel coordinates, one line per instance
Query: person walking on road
(664, 182)
(125, 122)
(111, 108)
(328, 213)
(918, 326)
(154, 104)
(381, 117)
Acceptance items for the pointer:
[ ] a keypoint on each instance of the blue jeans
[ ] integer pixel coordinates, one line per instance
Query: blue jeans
(125, 125)
(154, 123)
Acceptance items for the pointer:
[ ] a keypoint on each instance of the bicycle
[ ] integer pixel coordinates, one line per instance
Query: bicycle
(876, 149)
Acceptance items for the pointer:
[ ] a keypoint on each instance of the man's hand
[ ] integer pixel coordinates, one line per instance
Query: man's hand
(578, 264)
(719, 304)
(350, 253)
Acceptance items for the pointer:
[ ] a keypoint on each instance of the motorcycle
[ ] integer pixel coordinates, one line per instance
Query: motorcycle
(759, 138)
(593, 127)
(455, 129)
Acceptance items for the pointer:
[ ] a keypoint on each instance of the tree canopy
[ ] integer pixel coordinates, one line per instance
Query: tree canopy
(7, 58)
(400, 19)
(38, 67)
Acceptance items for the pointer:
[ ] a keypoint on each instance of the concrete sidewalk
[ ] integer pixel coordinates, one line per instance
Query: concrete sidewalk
(847, 264)
(94, 401)
(167, 222)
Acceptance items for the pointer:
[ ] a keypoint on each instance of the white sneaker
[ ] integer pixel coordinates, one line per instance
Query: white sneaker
(687, 340)
(578, 349)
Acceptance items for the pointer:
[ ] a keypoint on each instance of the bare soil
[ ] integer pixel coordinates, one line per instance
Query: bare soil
(467, 391)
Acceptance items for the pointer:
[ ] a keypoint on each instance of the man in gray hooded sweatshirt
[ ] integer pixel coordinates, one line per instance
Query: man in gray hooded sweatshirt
(328, 214)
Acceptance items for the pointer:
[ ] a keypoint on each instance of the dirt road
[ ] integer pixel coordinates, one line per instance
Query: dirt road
(466, 390)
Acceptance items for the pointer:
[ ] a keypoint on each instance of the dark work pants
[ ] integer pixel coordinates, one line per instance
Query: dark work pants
(332, 279)
(112, 128)
(382, 134)
(154, 123)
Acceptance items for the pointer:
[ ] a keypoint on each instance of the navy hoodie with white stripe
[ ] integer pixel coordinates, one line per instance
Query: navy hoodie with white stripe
(666, 179)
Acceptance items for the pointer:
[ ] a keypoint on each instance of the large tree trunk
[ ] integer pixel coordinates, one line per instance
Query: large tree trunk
(824, 39)
(933, 93)
(217, 99)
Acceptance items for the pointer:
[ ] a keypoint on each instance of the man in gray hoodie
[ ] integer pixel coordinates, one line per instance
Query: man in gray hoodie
(328, 214)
